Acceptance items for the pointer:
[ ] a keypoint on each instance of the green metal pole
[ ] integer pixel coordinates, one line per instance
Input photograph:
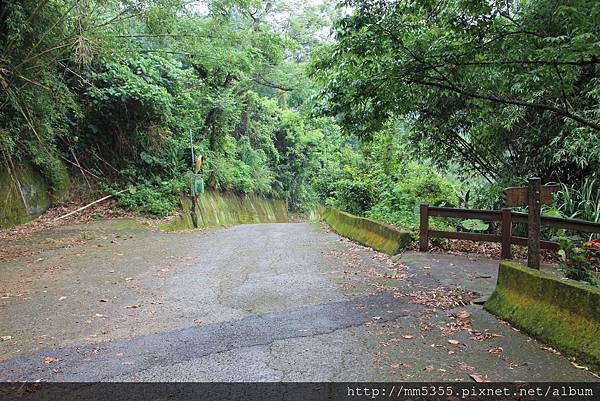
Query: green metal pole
(194, 200)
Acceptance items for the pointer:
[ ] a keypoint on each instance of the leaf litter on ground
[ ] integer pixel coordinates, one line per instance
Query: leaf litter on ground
(443, 297)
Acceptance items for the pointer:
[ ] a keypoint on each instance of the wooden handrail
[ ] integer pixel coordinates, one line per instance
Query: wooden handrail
(489, 215)
(559, 222)
(516, 217)
(505, 237)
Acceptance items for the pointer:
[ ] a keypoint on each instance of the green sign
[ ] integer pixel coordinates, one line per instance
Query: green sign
(197, 184)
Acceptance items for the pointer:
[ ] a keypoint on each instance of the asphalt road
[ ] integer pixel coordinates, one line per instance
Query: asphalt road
(116, 301)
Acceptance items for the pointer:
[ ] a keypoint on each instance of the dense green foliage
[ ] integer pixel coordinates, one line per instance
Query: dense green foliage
(444, 102)
(379, 179)
(115, 88)
(580, 262)
(508, 89)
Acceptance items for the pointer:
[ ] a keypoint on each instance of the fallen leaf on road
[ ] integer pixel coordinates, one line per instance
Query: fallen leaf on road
(456, 326)
(478, 378)
(464, 366)
(579, 366)
(463, 314)
(483, 335)
(407, 337)
(496, 350)
(552, 350)
(453, 342)
(443, 298)
(6, 338)
(49, 359)
(93, 352)
(134, 306)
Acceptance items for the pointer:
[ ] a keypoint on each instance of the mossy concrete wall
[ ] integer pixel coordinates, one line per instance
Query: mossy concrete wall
(379, 236)
(563, 314)
(24, 201)
(225, 209)
(61, 182)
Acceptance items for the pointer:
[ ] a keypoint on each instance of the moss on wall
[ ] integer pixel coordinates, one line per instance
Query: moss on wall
(563, 314)
(60, 182)
(34, 189)
(379, 236)
(18, 206)
(225, 209)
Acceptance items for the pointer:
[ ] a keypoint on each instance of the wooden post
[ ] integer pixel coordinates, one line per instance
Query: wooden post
(506, 231)
(534, 223)
(424, 228)
(194, 213)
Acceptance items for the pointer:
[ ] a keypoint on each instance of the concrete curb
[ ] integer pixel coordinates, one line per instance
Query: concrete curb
(564, 314)
(379, 236)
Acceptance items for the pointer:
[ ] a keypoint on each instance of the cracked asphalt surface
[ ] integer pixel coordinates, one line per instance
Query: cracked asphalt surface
(265, 302)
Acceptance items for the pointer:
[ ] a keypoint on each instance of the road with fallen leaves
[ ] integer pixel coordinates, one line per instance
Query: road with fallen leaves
(118, 301)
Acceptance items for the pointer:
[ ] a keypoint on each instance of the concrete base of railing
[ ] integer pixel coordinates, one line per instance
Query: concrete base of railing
(379, 236)
(561, 313)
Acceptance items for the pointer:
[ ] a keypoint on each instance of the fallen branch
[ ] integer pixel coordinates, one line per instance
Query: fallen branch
(83, 170)
(88, 205)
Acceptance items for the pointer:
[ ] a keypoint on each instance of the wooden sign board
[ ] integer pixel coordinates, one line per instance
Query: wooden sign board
(519, 196)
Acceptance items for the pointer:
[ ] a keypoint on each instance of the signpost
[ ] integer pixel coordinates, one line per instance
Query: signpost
(519, 196)
(532, 196)
(197, 185)
(534, 223)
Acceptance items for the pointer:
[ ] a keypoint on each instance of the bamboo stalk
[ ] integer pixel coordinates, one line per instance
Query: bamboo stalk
(88, 205)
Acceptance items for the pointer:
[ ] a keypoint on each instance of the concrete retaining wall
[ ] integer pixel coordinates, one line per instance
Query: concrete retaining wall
(226, 209)
(379, 236)
(19, 205)
(562, 313)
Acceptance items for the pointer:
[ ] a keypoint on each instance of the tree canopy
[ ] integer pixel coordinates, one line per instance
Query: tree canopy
(506, 88)
(115, 87)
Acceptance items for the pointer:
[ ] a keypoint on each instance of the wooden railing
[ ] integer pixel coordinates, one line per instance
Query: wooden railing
(506, 216)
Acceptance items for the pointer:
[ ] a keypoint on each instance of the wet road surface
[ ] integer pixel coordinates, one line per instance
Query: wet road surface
(265, 302)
